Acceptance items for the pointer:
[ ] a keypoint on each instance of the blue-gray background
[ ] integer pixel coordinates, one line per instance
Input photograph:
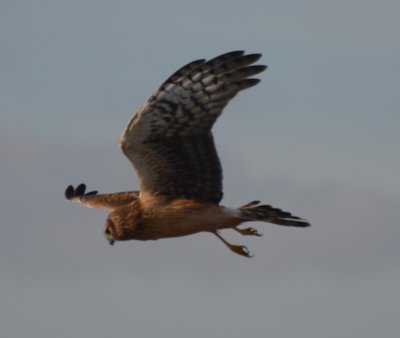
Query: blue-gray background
(318, 137)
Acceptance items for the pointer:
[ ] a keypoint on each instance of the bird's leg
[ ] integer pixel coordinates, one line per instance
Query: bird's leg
(238, 249)
(248, 232)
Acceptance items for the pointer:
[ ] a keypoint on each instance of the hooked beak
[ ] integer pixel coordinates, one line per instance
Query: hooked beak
(109, 238)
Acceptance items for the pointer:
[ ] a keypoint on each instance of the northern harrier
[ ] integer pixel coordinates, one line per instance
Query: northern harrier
(170, 144)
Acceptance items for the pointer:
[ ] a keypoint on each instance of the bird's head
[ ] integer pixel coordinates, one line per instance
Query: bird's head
(122, 223)
(109, 230)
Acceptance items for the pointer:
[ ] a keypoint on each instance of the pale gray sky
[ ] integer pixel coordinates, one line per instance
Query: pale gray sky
(318, 137)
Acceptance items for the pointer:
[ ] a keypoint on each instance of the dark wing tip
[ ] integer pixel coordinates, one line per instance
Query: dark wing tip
(90, 193)
(79, 191)
(247, 83)
(250, 58)
(229, 55)
(69, 192)
(234, 53)
(260, 68)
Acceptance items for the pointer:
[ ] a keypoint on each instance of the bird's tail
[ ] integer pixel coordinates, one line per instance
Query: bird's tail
(254, 212)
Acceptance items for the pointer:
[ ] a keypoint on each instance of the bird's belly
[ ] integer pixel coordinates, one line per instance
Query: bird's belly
(184, 229)
(188, 223)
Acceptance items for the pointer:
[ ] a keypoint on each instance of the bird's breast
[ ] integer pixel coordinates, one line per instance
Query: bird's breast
(184, 217)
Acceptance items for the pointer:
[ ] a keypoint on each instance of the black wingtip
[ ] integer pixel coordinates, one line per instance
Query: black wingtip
(90, 193)
(260, 68)
(232, 54)
(247, 83)
(251, 58)
(69, 192)
(79, 191)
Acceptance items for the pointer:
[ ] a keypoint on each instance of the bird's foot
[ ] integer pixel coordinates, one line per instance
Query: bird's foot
(240, 250)
(237, 249)
(248, 232)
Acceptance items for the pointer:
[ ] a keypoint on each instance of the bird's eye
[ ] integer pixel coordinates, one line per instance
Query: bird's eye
(108, 232)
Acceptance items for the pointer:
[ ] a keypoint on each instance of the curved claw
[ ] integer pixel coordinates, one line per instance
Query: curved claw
(249, 232)
(238, 249)
(241, 250)
(254, 232)
(258, 234)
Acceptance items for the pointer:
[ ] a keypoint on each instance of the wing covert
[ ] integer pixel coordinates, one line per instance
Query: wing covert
(169, 140)
(103, 201)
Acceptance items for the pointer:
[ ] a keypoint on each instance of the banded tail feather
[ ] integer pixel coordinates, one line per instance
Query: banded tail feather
(266, 213)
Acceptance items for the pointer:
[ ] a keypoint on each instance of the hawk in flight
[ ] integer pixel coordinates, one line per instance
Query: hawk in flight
(170, 144)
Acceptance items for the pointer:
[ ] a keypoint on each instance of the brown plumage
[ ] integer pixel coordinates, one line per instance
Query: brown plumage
(170, 144)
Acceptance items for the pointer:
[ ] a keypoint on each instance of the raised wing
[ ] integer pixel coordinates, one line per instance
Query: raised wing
(104, 201)
(169, 140)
